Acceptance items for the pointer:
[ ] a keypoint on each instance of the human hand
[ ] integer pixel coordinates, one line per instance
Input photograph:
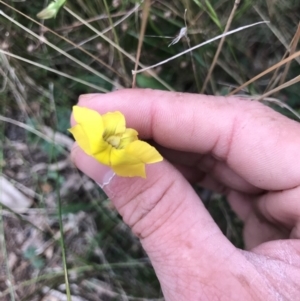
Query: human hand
(241, 148)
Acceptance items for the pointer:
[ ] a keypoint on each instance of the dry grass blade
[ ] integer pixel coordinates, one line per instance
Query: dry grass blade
(54, 71)
(43, 40)
(277, 89)
(212, 66)
(13, 198)
(46, 29)
(4, 253)
(100, 34)
(30, 129)
(276, 32)
(198, 46)
(293, 48)
(272, 100)
(12, 83)
(281, 104)
(184, 34)
(90, 20)
(115, 36)
(127, 15)
(146, 9)
(274, 67)
(276, 76)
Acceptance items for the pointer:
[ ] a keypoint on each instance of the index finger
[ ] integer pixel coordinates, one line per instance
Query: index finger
(259, 144)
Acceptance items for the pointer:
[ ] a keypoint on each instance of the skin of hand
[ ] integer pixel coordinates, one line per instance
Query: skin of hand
(230, 145)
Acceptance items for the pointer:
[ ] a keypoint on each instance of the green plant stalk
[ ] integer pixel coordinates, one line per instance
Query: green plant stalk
(211, 12)
(63, 248)
(51, 10)
(111, 23)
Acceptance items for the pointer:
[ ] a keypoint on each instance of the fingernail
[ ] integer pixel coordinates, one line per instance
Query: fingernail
(86, 97)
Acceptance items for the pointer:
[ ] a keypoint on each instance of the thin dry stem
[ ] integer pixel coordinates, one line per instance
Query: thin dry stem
(65, 39)
(115, 37)
(59, 50)
(198, 46)
(98, 88)
(277, 89)
(276, 32)
(146, 9)
(274, 67)
(191, 53)
(137, 6)
(276, 76)
(213, 64)
(271, 100)
(29, 129)
(100, 34)
(293, 48)
(93, 19)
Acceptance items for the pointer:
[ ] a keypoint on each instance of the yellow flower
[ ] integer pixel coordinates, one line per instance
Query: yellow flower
(107, 139)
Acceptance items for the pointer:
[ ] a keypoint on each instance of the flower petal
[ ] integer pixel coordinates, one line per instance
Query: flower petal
(129, 136)
(126, 165)
(92, 126)
(104, 156)
(121, 157)
(143, 151)
(136, 170)
(114, 124)
(98, 136)
(81, 138)
(130, 161)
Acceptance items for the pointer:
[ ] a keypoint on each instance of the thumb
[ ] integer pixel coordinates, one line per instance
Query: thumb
(163, 210)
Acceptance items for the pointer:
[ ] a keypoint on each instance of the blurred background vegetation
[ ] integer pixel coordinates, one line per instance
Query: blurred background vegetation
(66, 225)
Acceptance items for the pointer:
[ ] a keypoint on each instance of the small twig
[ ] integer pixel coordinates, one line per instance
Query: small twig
(212, 66)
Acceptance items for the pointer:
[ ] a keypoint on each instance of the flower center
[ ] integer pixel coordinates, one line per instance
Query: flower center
(114, 140)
